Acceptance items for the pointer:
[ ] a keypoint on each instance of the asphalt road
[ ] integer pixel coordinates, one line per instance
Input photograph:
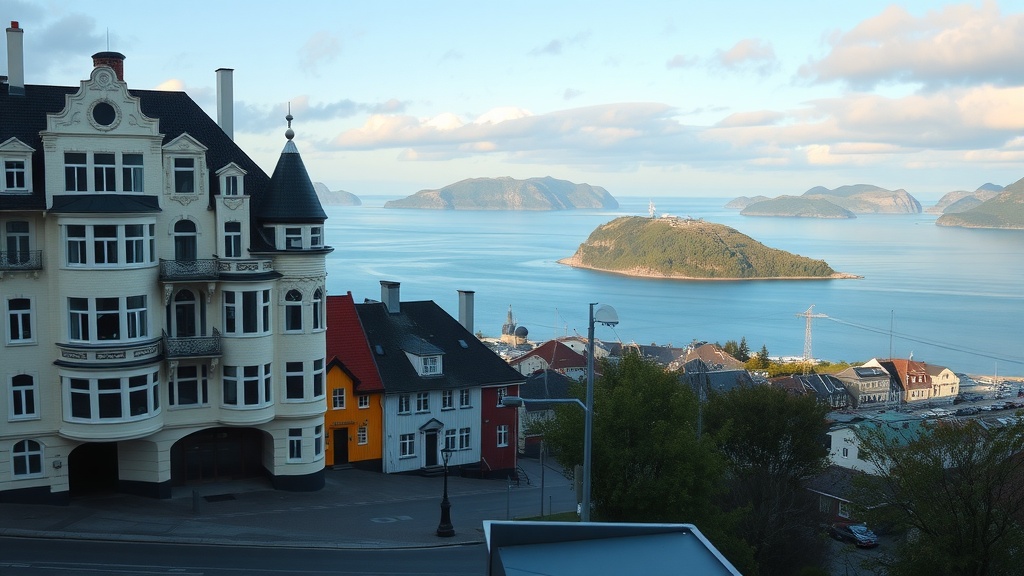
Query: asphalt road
(53, 557)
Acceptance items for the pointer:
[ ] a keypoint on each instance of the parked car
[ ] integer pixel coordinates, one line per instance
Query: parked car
(859, 534)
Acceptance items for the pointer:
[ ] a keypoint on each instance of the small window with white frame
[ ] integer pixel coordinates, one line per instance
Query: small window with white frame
(104, 167)
(14, 176)
(338, 398)
(403, 404)
(231, 186)
(502, 435)
(844, 509)
(423, 401)
(362, 436)
(293, 238)
(27, 459)
(431, 365)
(449, 439)
(184, 175)
(463, 438)
(465, 399)
(316, 237)
(447, 400)
(232, 239)
(132, 173)
(23, 397)
(295, 444)
(406, 445)
(364, 401)
(318, 442)
(20, 321)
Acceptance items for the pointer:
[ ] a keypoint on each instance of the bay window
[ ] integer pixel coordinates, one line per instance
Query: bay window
(99, 399)
(247, 386)
(121, 319)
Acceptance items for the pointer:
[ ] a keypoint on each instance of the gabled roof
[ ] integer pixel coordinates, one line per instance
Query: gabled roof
(714, 357)
(466, 362)
(663, 355)
(824, 385)
(557, 355)
(903, 369)
(346, 344)
(24, 117)
(542, 385)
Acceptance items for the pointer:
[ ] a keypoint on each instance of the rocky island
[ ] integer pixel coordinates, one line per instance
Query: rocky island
(688, 249)
(330, 197)
(1004, 210)
(842, 202)
(509, 194)
(962, 200)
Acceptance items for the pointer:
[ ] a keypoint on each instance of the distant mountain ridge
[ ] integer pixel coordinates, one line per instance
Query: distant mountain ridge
(847, 200)
(336, 197)
(507, 193)
(689, 249)
(1004, 210)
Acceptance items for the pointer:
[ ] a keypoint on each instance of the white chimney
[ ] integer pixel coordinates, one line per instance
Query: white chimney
(226, 101)
(389, 296)
(15, 60)
(466, 309)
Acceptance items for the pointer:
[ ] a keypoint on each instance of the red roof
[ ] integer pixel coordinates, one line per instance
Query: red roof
(347, 345)
(558, 356)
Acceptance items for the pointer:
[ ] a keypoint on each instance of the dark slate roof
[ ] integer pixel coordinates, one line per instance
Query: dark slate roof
(697, 373)
(24, 117)
(290, 196)
(346, 344)
(542, 385)
(105, 203)
(425, 322)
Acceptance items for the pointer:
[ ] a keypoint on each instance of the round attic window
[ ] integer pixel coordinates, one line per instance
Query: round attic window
(104, 114)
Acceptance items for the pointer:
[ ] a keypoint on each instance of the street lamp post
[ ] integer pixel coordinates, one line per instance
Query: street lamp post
(604, 315)
(445, 528)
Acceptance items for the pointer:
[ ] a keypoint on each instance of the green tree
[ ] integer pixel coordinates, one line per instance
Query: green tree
(731, 348)
(957, 489)
(760, 360)
(771, 442)
(648, 464)
(743, 351)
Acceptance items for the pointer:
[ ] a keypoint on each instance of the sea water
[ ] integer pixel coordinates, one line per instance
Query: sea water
(947, 296)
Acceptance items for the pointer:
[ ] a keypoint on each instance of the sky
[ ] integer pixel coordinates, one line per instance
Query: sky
(644, 98)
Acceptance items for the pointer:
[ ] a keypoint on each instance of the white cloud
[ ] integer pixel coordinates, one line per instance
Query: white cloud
(958, 44)
(748, 54)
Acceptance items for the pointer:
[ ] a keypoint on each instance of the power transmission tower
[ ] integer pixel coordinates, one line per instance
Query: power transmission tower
(809, 314)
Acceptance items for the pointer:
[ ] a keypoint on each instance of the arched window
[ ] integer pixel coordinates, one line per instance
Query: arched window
(185, 240)
(183, 315)
(318, 309)
(293, 311)
(27, 458)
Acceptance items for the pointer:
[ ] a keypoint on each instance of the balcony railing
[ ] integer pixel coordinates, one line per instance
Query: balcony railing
(193, 346)
(204, 269)
(21, 260)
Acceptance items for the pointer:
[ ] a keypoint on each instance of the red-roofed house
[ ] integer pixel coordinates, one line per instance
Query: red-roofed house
(552, 355)
(912, 376)
(355, 392)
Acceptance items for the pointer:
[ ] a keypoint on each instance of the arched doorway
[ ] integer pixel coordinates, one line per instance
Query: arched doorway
(92, 469)
(217, 454)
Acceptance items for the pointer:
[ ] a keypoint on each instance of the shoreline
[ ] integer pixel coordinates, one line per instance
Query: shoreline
(574, 263)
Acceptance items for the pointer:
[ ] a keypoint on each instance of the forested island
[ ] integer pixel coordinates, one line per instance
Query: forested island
(690, 249)
(1004, 210)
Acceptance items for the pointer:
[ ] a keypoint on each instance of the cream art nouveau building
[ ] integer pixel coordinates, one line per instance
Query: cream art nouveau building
(163, 298)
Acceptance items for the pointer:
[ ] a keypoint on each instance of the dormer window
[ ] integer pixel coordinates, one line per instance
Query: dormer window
(184, 175)
(431, 365)
(14, 175)
(293, 238)
(232, 180)
(16, 160)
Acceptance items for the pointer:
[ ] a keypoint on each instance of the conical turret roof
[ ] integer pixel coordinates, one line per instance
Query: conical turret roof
(290, 197)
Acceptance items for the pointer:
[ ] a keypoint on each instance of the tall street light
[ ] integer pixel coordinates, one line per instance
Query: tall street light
(604, 315)
(445, 528)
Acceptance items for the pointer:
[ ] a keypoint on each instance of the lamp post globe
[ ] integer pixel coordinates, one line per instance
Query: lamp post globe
(445, 528)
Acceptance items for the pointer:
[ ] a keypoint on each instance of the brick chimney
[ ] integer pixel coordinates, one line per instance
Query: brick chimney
(466, 309)
(15, 60)
(113, 59)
